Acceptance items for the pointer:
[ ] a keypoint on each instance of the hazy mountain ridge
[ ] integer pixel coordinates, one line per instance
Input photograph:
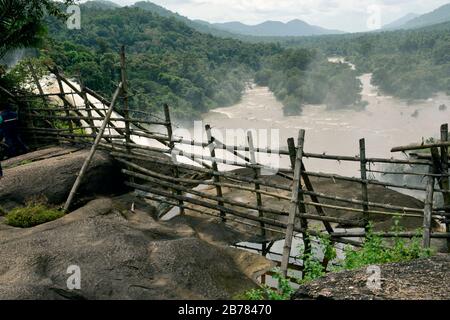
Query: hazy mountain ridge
(401, 21)
(437, 16)
(236, 29)
(294, 28)
(101, 4)
(196, 25)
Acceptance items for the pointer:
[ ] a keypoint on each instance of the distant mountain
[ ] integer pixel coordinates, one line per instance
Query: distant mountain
(200, 26)
(399, 22)
(440, 15)
(101, 4)
(294, 28)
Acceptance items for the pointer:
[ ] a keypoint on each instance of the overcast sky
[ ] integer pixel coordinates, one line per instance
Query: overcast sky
(346, 15)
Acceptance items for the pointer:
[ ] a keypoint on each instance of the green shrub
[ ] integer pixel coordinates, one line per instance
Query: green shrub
(32, 215)
(284, 291)
(374, 251)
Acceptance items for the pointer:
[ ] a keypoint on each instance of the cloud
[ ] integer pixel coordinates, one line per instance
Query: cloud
(347, 15)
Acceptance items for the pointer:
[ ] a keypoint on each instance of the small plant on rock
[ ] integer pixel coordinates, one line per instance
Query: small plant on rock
(35, 212)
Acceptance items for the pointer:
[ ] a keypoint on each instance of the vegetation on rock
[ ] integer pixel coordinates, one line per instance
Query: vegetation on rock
(34, 213)
(375, 251)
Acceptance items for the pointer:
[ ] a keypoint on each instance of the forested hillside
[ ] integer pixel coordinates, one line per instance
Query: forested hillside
(411, 64)
(169, 62)
(303, 76)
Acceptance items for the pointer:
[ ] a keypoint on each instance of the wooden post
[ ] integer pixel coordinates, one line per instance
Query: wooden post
(175, 171)
(41, 92)
(66, 107)
(301, 205)
(428, 211)
(445, 185)
(216, 178)
(294, 204)
(256, 175)
(126, 110)
(93, 150)
(87, 106)
(365, 194)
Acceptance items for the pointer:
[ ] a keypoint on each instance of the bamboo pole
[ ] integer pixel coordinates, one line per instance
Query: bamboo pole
(421, 146)
(227, 175)
(256, 174)
(175, 183)
(301, 200)
(221, 145)
(243, 179)
(310, 188)
(53, 129)
(63, 109)
(405, 173)
(92, 105)
(199, 202)
(61, 89)
(77, 135)
(150, 176)
(294, 205)
(126, 113)
(390, 234)
(364, 191)
(99, 118)
(428, 211)
(87, 106)
(41, 93)
(175, 171)
(212, 151)
(370, 181)
(370, 160)
(93, 150)
(445, 184)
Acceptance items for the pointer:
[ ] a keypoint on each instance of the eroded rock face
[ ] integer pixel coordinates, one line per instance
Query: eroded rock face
(427, 279)
(121, 255)
(52, 172)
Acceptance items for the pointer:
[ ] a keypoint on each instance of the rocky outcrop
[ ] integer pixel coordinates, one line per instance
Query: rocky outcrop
(52, 172)
(425, 279)
(121, 255)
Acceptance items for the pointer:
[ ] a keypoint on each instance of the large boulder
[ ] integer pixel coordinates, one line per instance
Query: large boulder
(51, 173)
(121, 255)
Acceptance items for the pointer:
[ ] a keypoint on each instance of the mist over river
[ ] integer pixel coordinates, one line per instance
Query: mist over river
(385, 123)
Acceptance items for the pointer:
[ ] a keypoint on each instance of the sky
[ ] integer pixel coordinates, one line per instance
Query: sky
(345, 15)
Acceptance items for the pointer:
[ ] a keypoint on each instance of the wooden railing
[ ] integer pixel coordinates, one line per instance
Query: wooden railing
(61, 119)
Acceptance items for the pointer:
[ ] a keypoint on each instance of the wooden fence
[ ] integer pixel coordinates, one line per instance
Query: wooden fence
(61, 118)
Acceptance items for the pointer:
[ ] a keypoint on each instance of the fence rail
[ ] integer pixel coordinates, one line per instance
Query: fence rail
(76, 114)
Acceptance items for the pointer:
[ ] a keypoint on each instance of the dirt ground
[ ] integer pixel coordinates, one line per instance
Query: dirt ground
(426, 279)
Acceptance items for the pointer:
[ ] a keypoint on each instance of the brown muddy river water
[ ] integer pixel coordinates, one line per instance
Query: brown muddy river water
(385, 123)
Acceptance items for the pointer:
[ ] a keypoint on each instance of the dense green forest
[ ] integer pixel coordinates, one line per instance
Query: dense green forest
(409, 64)
(169, 62)
(302, 76)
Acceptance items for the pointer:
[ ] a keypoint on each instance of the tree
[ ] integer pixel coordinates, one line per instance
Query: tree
(21, 22)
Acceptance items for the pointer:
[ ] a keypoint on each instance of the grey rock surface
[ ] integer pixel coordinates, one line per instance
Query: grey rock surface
(423, 279)
(121, 255)
(52, 172)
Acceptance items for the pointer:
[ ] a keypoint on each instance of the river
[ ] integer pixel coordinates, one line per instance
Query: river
(385, 123)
